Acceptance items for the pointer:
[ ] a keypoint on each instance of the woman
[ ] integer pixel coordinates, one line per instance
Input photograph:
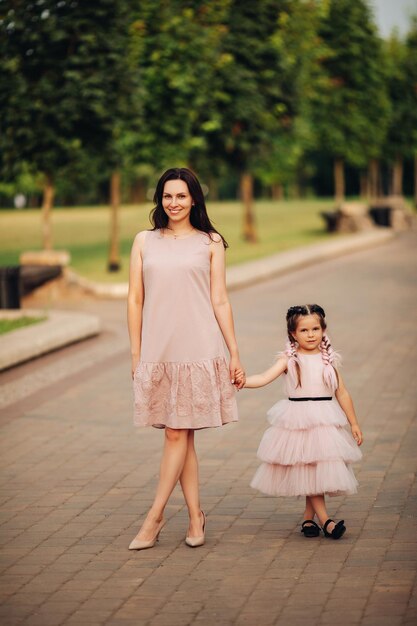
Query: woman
(178, 316)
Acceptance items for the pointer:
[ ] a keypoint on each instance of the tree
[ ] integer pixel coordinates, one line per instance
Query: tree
(401, 141)
(63, 70)
(247, 94)
(410, 66)
(351, 112)
(299, 50)
(178, 59)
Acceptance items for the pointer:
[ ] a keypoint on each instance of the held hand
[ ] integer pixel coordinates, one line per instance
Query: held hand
(357, 434)
(240, 379)
(237, 373)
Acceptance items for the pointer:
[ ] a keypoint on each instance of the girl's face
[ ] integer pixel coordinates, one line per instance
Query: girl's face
(308, 333)
(177, 201)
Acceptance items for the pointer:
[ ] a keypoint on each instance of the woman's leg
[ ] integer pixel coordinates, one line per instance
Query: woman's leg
(319, 506)
(190, 488)
(172, 463)
(309, 511)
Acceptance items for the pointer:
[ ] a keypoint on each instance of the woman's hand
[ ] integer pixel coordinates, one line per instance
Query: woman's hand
(357, 434)
(237, 373)
(240, 379)
(135, 361)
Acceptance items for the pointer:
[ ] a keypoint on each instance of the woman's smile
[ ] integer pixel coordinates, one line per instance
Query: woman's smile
(177, 200)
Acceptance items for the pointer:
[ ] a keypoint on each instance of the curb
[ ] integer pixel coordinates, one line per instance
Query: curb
(247, 274)
(250, 272)
(60, 329)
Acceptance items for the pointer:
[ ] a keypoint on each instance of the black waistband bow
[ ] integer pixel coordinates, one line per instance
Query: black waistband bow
(316, 399)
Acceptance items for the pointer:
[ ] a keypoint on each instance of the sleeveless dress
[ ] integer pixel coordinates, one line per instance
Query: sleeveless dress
(307, 451)
(182, 379)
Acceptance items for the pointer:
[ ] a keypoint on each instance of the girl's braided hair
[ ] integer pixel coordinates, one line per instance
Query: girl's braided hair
(330, 357)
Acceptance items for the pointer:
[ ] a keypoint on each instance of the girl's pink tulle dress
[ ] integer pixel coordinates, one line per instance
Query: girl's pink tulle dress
(307, 450)
(182, 379)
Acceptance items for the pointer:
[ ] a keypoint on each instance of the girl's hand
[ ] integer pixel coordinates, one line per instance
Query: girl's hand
(237, 373)
(135, 361)
(240, 379)
(357, 434)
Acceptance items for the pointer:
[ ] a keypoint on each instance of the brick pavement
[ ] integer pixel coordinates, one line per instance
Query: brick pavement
(76, 477)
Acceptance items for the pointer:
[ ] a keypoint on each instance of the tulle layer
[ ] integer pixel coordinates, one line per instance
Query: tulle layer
(326, 477)
(321, 443)
(305, 415)
(184, 395)
(307, 451)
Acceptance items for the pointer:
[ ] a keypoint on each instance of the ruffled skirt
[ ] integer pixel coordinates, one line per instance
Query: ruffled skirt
(184, 395)
(306, 451)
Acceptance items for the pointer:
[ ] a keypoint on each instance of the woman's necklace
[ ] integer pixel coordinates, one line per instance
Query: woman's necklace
(182, 235)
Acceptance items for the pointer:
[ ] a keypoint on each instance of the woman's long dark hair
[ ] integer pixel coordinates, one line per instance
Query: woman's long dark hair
(198, 216)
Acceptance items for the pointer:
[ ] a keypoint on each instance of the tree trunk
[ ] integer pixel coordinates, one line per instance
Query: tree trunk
(364, 185)
(114, 255)
(246, 194)
(397, 177)
(47, 204)
(373, 178)
(277, 191)
(213, 192)
(137, 192)
(339, 180)
(415, 180)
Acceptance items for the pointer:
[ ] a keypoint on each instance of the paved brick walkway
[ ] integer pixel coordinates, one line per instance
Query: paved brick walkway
(76, 477)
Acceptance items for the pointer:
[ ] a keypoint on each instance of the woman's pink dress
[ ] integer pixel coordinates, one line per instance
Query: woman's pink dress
(307, 450)
(182, 379)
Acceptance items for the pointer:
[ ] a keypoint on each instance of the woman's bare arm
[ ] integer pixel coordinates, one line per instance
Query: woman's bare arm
(135, 298)
(221, 305)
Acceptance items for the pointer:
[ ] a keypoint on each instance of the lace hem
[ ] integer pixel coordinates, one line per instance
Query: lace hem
(184, 395)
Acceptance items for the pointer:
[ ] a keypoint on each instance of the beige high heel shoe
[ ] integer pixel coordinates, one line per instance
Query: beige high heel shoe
(195, 542)
(141, 544)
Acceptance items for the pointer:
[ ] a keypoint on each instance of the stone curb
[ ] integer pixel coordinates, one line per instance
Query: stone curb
(248, 273)
(284, 262)
(59, 329)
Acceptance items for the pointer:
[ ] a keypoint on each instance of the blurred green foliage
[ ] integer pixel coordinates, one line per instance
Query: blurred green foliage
(275, 87)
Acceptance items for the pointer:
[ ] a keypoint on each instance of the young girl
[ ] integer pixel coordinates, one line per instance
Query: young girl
(307, 451)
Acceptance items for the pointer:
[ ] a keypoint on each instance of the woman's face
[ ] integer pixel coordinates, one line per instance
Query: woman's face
(308, 333)
(177, 201)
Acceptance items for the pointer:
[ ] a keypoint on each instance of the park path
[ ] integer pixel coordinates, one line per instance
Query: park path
(76, 477)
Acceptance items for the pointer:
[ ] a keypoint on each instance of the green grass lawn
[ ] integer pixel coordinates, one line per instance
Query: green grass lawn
(7, 325)
(84, 232)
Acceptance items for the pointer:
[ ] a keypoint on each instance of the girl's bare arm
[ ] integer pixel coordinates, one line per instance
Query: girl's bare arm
(260, 380)
(345, 401)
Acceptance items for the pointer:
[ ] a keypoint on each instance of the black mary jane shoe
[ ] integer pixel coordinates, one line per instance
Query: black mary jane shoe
(338, 530)
(309, 528)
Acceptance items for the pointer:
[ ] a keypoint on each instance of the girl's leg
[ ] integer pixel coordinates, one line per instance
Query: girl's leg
(172, 463)
(190, 488)
(319, 507)
(309, 511)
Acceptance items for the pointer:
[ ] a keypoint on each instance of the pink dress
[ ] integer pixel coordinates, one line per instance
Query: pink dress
(182, 379)
(307, 450)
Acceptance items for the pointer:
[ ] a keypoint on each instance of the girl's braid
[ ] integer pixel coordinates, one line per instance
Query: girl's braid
(330, 360)
(293, 367)
(290, 350)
